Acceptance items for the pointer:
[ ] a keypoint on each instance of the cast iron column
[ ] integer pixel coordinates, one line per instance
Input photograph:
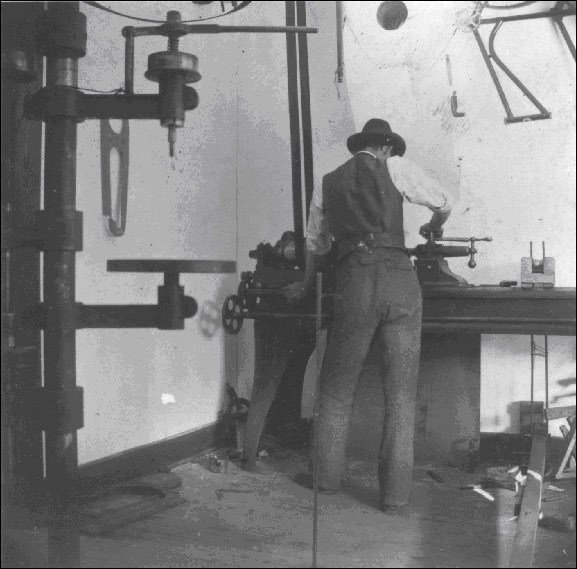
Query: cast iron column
(60, 269)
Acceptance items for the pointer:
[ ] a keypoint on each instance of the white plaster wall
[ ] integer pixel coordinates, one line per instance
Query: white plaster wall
(227, 188)
(515, 183)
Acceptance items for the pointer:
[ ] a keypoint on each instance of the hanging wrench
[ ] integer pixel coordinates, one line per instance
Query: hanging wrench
(110, 140)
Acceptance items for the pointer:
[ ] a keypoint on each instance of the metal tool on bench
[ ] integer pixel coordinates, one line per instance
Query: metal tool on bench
(537, 272)
(432, 267)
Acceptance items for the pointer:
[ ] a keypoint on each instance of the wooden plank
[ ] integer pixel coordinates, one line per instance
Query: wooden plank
(128, 510)
(553, 413)
(560, 470)
(498, 310)
(524, 543)
(566, 435)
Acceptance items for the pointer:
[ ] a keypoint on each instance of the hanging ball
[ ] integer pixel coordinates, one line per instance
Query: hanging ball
(392, 15)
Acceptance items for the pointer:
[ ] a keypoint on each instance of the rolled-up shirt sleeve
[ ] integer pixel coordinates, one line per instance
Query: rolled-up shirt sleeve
(418, 187)
(319, 237)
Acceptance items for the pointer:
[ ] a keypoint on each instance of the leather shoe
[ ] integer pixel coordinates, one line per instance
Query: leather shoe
(307, 481)
(400, 510)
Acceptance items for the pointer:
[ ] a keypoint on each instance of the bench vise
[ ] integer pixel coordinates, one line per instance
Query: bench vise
(430, 260)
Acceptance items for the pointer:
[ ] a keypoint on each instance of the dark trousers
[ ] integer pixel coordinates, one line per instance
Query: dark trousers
(377, 293)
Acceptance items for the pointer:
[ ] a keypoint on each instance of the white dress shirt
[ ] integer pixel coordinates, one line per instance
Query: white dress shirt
(414, 184)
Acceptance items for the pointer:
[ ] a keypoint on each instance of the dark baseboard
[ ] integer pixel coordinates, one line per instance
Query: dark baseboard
(95, 477)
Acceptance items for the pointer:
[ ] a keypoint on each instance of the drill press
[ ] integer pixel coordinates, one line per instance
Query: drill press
(430, 260)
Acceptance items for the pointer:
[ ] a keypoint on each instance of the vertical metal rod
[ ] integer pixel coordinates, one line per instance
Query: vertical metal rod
(316, 416)
(293, 101)
(532, 381)
(340, 59)
(305, 106)
(546, 379)
(129, 60)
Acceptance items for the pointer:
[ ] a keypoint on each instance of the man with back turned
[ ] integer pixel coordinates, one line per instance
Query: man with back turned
(360, 209)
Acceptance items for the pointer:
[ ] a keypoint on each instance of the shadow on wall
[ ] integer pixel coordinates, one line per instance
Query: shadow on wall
(570, 381)
(209, 324)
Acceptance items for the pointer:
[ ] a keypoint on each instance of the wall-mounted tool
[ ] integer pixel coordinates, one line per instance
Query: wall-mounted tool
(114, 141)
(454, 102)
(559, 11)
(433, 269)
(537, 272)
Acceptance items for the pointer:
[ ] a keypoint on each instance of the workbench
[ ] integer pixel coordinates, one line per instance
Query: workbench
(448, 406)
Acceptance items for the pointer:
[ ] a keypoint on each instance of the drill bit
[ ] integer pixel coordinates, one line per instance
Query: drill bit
(171, 138)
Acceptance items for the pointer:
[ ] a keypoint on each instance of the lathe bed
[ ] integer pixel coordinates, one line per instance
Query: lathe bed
(454, 317)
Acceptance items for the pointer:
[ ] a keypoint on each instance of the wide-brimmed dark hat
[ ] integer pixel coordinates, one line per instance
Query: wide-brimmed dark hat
(376, 132)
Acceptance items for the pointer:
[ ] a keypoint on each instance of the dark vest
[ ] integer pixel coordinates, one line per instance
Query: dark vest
(360, 201)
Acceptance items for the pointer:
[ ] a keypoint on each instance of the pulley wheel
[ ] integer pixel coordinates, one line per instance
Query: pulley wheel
(173, 62)
(232, 317)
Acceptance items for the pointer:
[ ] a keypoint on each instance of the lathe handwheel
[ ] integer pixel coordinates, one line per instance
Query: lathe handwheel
(232, 318)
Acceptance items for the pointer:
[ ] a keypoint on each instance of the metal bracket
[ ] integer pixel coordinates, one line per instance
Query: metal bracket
(109, 141)
(455, 106)
(556, 15)
(454, 103)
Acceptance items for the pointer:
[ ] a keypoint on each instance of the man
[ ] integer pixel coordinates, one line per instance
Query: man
(360, 208)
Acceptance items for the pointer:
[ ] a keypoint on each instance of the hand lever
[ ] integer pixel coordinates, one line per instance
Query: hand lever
(472, 263)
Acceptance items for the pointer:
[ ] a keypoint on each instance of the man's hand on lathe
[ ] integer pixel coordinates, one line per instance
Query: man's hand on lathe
(295, 291)
(429, 230)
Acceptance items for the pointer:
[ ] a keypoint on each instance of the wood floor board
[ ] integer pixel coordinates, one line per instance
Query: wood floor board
(264, 519)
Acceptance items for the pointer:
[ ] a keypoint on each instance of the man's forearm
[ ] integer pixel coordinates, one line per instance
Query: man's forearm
(439, 218)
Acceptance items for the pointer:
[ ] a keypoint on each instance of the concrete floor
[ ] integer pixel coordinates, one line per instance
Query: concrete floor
(240, 519)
